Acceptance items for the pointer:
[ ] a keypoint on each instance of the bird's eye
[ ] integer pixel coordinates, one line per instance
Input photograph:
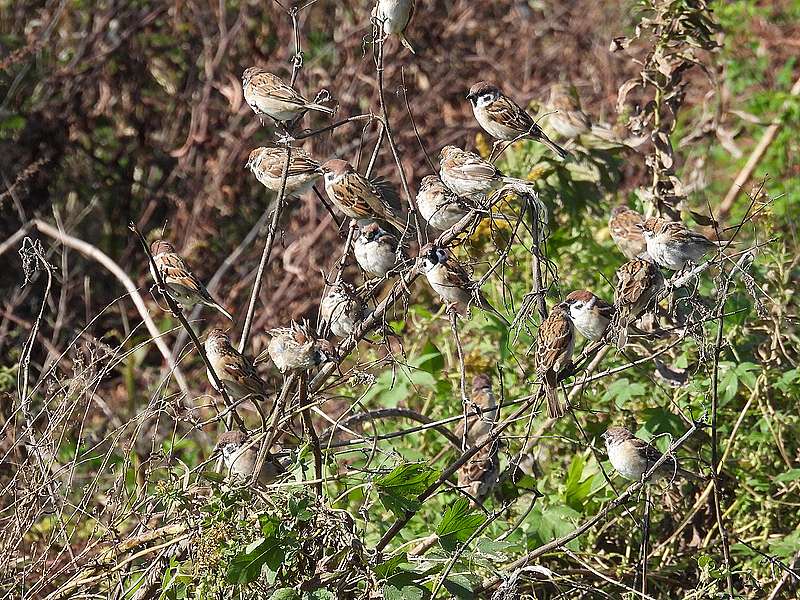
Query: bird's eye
(330, 177)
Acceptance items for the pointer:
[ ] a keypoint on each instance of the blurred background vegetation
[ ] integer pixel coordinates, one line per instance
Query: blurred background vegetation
(118, 111)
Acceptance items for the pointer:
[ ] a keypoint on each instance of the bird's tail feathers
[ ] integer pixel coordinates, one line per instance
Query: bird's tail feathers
(555, 408)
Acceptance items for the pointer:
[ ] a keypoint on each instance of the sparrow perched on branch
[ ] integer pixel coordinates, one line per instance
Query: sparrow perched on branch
(633, 457)
(240, 457)
(267, 165)
(625, 228)
(638, 283)
(467, 174)
(504, 119)
(296, 348)
(180, 281)
(359, 198)
(450, 280)
(567, 117)
(555, 342)
(376, 250)
(672, 245)
(267, 95)
(439, 206)
(342, 309)
(590, 314)
(394, 16)
(479, 474)
(234, 370)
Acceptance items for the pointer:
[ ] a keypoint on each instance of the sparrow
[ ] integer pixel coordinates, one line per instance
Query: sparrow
(589, 314)
(567, 118)
(624, 226)
(358, 197)
(240, 458)
(504, 119)
(638, 283)
(450, 280)
(267, 95)
(267, 165)
(480, 473)
(467, 174)
(342, 309)
(439, 206)
(180, 281)
(633, 457)
(394, 16)
(376, 250)
(672, 245)
(296, 348)
(234, 370)
(555, 342)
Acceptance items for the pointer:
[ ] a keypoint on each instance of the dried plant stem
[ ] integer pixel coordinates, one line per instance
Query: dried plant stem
(302, 392)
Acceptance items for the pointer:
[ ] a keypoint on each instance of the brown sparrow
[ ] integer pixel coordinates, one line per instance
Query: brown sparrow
(504, 119)
(590, 314)
(567, 118)
(467, 174)
(625, 228)
(450, 280)
(672, 245)
(180, 281)
(440, 207)
(296, 348)
(638, 283)
(633, 457)
(234, 370)
(555, 342)
(342, 309)
(479, 474)
(358, 197)
(267, 165)
(267, 95)
(394, 16)
(376, 250)
(240, 457)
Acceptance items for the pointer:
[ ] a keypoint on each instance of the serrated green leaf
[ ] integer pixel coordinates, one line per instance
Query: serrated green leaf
(285, 594)
(459, 587)
(403, 587)
(458, 524)
(399, 489)
(389, 567)
(790, 475)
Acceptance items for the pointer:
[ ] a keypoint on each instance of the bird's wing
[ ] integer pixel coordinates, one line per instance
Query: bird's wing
(508, 113)
(552, 341)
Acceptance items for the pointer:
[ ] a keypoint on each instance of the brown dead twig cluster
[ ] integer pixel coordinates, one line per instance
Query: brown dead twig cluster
(69, 398)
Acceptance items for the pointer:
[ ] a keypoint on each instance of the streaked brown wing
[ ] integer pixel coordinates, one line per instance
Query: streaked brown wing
(552, 341)
(474, 167)
(387, 193)
(265, 85)
(174, 271)
(508, 113)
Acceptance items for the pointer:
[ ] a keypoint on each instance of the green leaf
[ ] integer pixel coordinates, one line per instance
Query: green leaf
(399, 489)
(285, 594)
(246, 566)
(577, 490)
(790, 475)
(457, 524)
(403, 587)
(623, 390)
(321, 594)
(459, 587)
(431, 359)
(389, 567)
(787, 546)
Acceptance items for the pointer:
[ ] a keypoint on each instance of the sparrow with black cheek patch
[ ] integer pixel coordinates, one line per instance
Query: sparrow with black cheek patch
(672, 245)
(295, 348)
(567, 117)
(267, 165)
(638, 284)
(633, 457)
(590, 314)
(376, 250)
(342, 309)
(624, 225)
(180, 281)
(439, 206)
(358, 197)
(450, 280)
(467, 174)
(479, 474)
(267, 95)
(234, 370)
(241, 456)
(555, 342)
(504, 119)
(394, 16)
